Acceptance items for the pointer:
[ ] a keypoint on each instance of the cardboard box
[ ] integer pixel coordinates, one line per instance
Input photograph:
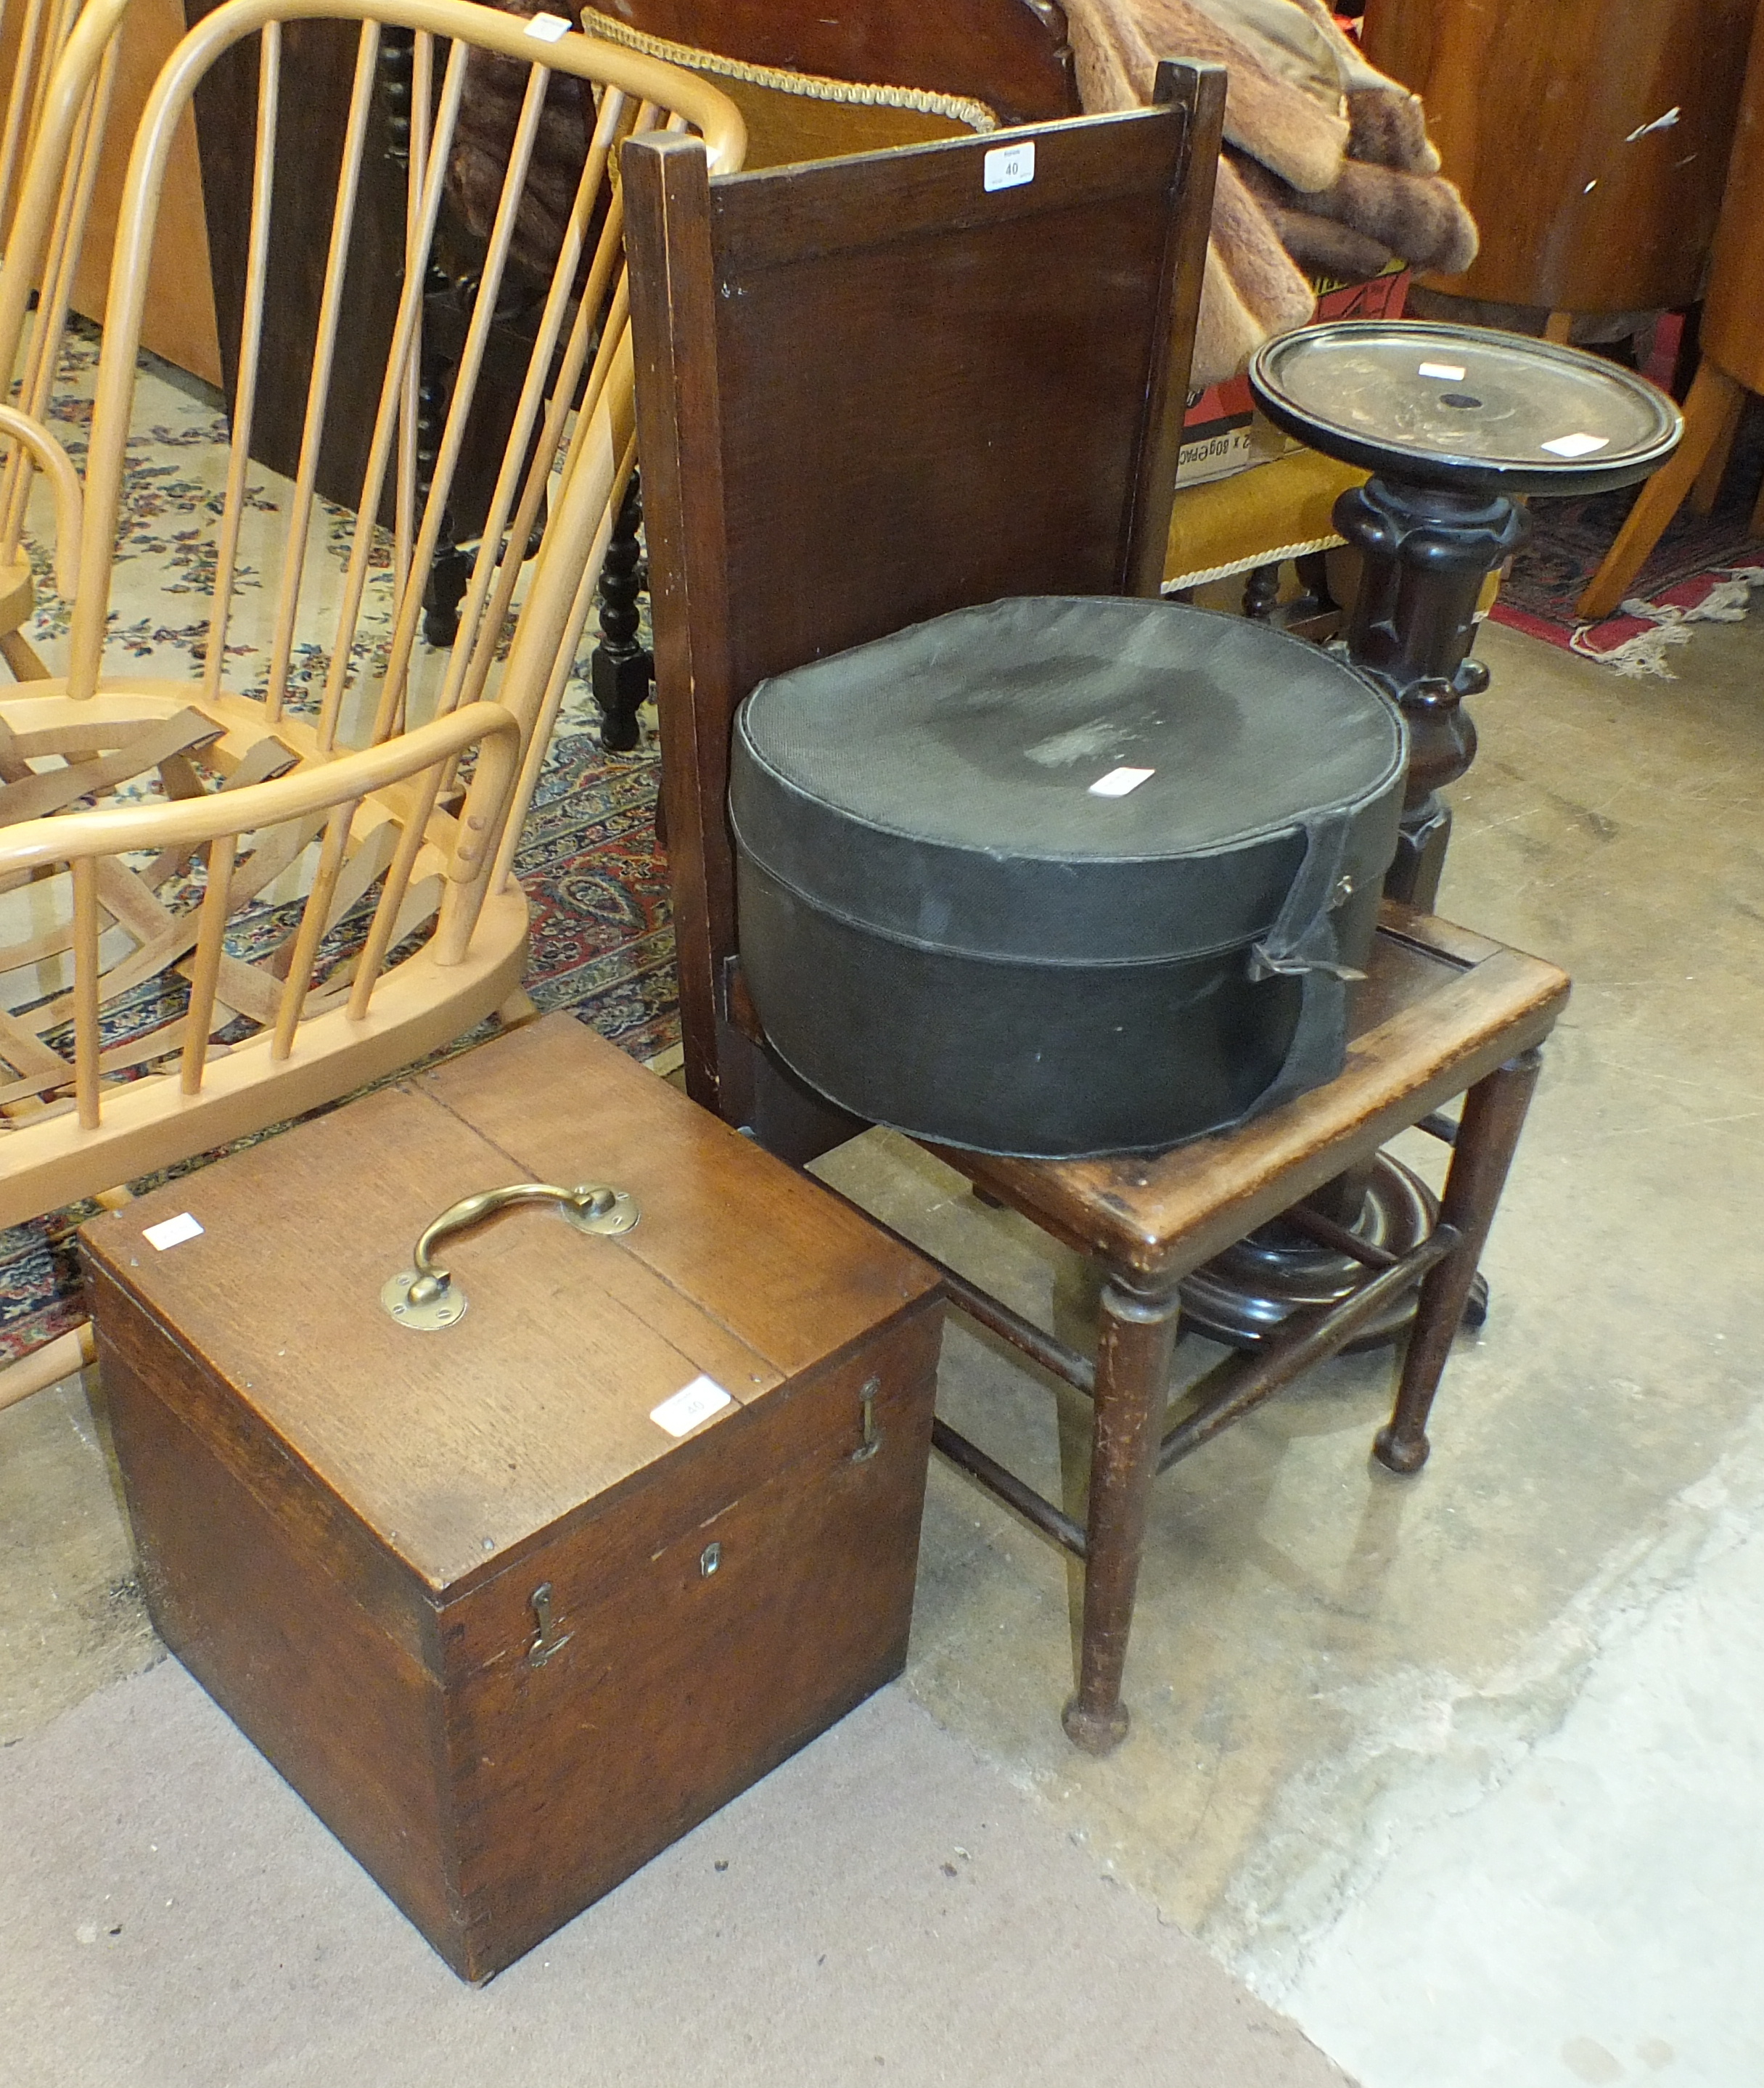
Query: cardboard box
(1220, 433)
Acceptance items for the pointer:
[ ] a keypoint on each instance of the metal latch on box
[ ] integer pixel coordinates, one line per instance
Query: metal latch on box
(426, 1299)
(871, 1439)
(549, 1641)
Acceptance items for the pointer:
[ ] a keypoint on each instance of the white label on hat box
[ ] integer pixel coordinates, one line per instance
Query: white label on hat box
(1119, 781)
(1009, 166)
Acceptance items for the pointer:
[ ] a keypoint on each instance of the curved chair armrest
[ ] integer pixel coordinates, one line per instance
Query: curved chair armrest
(57, 468)
(184, 822)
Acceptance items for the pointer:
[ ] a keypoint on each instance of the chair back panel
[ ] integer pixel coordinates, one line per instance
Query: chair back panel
(970, 384)
(875, 389)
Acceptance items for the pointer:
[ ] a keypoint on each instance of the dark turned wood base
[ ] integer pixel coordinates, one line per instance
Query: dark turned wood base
(1301, 1263)
(1425, 552)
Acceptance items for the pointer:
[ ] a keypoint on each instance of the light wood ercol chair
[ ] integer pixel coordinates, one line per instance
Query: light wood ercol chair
(412, 927)
(817, 479)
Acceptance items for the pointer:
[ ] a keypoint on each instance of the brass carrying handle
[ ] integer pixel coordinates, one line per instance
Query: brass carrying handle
(424, 1296)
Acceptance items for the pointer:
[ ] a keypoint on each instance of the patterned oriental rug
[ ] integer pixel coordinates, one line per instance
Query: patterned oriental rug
(602, 942)
(1703, 569)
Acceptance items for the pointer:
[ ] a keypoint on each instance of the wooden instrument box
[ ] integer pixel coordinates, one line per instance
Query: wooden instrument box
(507, 1633)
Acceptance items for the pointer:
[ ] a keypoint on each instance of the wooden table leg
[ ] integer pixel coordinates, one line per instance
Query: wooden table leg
(1714, 397)
(1488, 1134)
(1133, 1377)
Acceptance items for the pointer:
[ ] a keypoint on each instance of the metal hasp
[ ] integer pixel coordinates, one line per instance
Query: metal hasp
(872, 1435)
(1457, 425)
(425, 1299)
(547, 1640)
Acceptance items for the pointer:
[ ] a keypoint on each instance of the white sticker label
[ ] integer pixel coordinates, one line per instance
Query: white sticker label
(1119, 781)
(171, 1232)
(1574, 446)
(1450, 371)
(1010, 166)
(690, 1405)
(548, 28)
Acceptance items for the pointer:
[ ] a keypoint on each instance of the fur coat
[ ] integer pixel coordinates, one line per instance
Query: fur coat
(1326, 172)
(489, 111)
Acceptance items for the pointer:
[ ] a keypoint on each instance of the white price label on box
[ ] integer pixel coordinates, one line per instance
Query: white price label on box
(690, 1405)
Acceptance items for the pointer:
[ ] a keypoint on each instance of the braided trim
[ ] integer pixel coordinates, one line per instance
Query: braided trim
(957, 107)
(1276, 553)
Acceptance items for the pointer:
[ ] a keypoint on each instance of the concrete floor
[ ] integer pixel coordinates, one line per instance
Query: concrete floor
(1461, 1770)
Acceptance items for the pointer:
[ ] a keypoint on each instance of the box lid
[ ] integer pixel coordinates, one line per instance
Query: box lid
(1061, 779)
(452, 1447)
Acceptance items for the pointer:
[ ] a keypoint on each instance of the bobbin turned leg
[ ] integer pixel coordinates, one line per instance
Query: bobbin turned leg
(1137, 1335)
(1487, 1135)
(1261, 592)
(621, 670)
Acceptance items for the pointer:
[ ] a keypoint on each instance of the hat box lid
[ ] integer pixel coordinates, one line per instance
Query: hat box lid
(1053, 779)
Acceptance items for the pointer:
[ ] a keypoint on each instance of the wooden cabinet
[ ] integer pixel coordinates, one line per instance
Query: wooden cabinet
(1733, 319)
(1591, 141)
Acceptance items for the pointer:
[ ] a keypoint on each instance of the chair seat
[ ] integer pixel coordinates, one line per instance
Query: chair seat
(1279, 510)
(1441, 1008)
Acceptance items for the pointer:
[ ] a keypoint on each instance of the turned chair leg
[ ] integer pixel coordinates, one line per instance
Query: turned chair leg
(1317, 599)
(1487, 1135)
(1261, 592)
(1132, 1376)
(621, 670)
(1714, 397)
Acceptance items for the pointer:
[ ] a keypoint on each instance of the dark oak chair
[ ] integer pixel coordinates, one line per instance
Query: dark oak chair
(818, 478)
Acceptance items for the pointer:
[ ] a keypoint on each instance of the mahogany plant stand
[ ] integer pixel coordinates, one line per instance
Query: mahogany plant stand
(1457, 425)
